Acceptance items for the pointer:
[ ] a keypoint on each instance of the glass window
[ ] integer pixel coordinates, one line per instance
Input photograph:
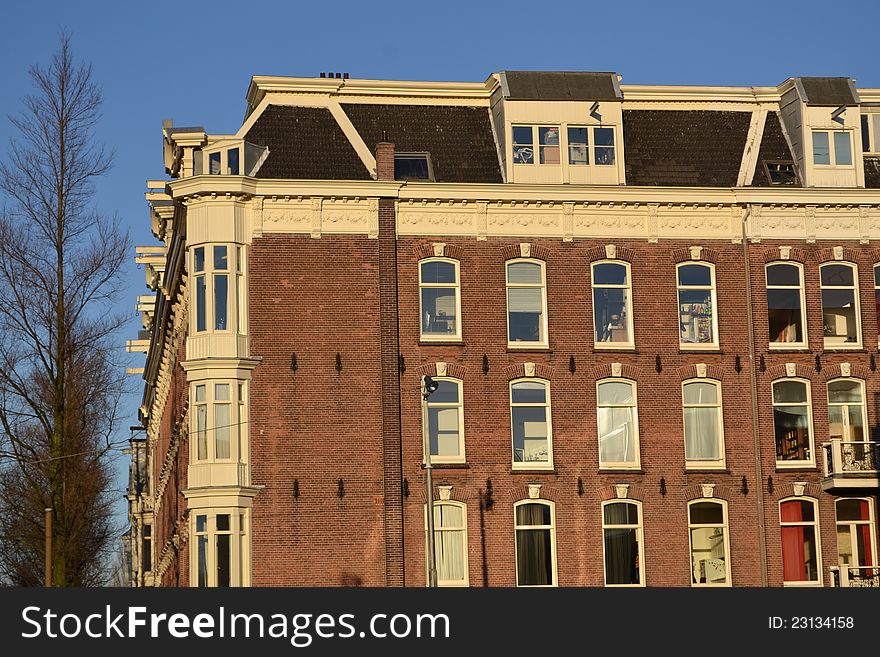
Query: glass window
(603, 151)
(792, 421)
(523, 145)
(222, 556)
(618, 424)
(612, 304)
(578, 146)
(866, 135)
(530, 424)
(703, 428)
(221, 259)
(800, 548)
(450, 543)
(412, 166)
(201, 424)
(232, 161)
(696, 303)
(202, 549)
(240, 290)
(785, 305)
(439, 299)
(535, 531)
(199, 259)
(222, 420)
(446, 422)
(842, 149)
(857, 540)
(526, 303)
(846, 410)
(840, 305)
(221, 298)
(622, 534)
(822, 151)
(199, 266)
(214, 163)
(707, 523)
(548, 141)
(147, 549)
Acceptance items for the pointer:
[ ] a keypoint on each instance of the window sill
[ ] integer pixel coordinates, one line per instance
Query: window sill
(787, 349)
(621, 471)
(707, 470)
(621, 348)
(694, 352)
(796, 467)
(512, 346)
(840, 350)
(441, 343)
(448, 466)
(534, 472)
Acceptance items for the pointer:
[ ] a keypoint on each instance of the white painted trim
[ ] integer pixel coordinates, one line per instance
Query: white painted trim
(754, 139)
(354, 137)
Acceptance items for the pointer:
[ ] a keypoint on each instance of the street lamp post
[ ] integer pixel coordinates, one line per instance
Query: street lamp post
(429, 386)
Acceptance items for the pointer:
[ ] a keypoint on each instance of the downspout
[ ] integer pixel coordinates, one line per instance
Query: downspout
(753, 385)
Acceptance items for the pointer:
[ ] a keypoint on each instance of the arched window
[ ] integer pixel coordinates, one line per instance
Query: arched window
(623, 543)
(857, 541)
(535, 530)
(793, 422)
(707, 525)
(801, 554)
(703, 424)
(612, 304)
(439, 299)
(617, 413)
(786, 319)
(446, 421)
(530, 424)
(450, 543)
(841, 318)
(526, 303)
(698, 321)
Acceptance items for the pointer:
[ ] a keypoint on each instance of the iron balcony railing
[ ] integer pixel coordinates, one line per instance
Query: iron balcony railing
(855, 576)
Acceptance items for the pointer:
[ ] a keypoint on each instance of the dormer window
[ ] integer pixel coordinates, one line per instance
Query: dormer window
(413, 166)
(832, 148)
(781, 173)
(579, 146)
(871, 133)
(524, 138)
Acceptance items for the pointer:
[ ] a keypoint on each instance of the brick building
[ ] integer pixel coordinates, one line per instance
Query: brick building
(650, 314)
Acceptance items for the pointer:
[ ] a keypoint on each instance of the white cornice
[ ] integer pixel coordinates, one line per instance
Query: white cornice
(699, 93)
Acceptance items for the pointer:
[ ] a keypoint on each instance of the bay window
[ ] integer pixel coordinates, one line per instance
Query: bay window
(219, 552)
(216, 297)
(219, 412)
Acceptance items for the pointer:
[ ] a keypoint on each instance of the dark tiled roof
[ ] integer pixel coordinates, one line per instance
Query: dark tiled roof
(872, 172)
(683, 148)
(561, 85)
(305, 142)
(774, 148)
(459, 139)
(829, 92)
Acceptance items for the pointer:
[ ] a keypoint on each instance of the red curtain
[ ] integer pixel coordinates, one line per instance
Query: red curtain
(794, 563)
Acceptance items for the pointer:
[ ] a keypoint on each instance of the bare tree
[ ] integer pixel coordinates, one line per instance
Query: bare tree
(60, 382)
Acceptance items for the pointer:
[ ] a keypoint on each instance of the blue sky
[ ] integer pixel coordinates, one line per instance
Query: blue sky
(191, 61)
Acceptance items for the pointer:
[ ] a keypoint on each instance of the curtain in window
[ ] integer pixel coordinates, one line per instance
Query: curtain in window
(449, 547)
(616, 435)
(621, 556)
(534, 546)
(794, 558)
(701, 434)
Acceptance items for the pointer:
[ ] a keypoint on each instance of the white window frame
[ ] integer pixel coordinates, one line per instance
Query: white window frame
(239, 548)
(591, 146)
(866, 429)
(539, 344)
(237, 406)
(551, 527)
(531, 465)
(873, 121)
(817, 534)
(832, 148)
(808, 463)
(697, 346)
(536, 144)
(705, 465)
(850, 524)
(640, 538)
(448, 337)
(725, 526)
(630, 343)
(803, 344)
(235, 289)
(857, 345)
(623, 465)
(460, 406)
(437, 529)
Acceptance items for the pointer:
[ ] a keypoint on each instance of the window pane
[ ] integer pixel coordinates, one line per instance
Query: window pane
(783, 275)
(436, 271)
(411, 167)
(866, 137)
(221, 392)
(840, 392)
(525, 313)
(232, 162)
(533, 514)
(856, 428)
(443, 431)
(222, 430)
(792, 429)
(223, 522)
(522, 134)
(203, 560)
(604, 146)
(821, 151)
(524, 272)
(200, 393)
(621, 556)
(707, 555)
(791, 392)
(609, 309)
(446, 393)
(842, 149)
(439, 306)
(694, 275)
(621, 513)
(534, 558)
(548, 139)
(875, 121)
(617, 435)
(797, 511)
(202, 431)
(214, 163)
(448, 515)
(199, 258)
(838, 275)
(695, 316)
(799, 563)
(615, 392)
(578, 151)
(221, 260)
(223, 563)
(221, 316)
(603, 136)
(700, 393)
(530, 434)
(701, 434)
(523, 151)
(609, 273)
(201, 319)
(839, 316)
(577, 136)
(784, 315)
(853, 510)
(706, 513)
(528, 392)
(449, 552)
(876, 276)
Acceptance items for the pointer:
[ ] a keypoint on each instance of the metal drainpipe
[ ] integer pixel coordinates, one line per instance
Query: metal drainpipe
(753, 381)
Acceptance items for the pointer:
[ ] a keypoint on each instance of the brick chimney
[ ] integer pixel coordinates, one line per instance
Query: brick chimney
(384, 161)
